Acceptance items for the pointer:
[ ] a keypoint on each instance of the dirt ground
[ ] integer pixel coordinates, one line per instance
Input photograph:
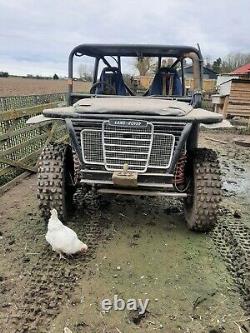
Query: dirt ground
(138, 248)
(17, 86)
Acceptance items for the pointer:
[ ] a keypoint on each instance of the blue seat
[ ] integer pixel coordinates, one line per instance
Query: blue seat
(111, 82)
(166, 82)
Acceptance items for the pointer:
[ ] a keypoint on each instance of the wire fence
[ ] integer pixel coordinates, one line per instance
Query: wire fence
(21, 144)
(17, 102)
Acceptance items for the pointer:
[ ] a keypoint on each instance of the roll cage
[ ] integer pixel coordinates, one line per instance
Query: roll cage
(102, 51)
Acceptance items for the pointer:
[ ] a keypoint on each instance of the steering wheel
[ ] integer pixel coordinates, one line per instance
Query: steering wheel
(92, 89)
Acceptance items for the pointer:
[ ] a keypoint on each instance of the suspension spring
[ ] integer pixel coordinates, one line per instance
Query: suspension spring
(179, 178)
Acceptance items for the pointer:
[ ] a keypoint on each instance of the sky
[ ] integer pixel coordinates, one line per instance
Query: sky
(36, 36)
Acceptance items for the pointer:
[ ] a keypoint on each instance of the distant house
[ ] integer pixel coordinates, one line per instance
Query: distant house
(209, 78)
(208, 73)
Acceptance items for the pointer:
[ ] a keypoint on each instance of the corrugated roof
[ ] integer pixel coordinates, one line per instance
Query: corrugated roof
(242, 70)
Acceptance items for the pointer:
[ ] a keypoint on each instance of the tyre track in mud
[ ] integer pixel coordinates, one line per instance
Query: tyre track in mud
(232, 239)
(231, 235)
(50, 282)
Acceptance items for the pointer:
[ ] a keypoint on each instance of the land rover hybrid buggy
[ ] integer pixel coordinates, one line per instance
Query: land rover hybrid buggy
(129, 142)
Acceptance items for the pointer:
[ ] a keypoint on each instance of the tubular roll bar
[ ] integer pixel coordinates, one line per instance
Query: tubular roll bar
(99, 51)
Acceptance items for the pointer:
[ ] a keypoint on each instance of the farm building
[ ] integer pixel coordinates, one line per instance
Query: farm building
(233, 93)
(208, 73)
(209, 78)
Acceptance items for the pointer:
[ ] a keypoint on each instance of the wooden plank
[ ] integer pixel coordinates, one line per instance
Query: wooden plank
(224, 109)
(241, 83)
(22, 145)
(245, 142)
(240, 99)
(243, 89)
(236, 85)
(19, 113)
(17, 164)
(26, 129)
(13, 182)
(23, 160)
(216, 140)
(238, 107)
(240, 94)
(239, 113)
(237, 102)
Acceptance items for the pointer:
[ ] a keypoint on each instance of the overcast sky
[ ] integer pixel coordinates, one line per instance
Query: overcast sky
(36, 36)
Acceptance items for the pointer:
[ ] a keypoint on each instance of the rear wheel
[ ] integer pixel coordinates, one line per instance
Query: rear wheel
(202, 205)
(56, 180)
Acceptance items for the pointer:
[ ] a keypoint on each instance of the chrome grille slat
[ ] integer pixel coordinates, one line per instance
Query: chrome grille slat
(117, 135)
(127, 132)
(126, 152)
(131, 146)
(125, 139)
(131, 165)
(125, 158)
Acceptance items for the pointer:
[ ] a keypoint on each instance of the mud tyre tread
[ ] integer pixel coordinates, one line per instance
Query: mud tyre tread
(201, 211)
(55, 165)
(77, 168)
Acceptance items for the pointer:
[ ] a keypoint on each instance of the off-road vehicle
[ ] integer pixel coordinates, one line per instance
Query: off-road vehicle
(125, 143)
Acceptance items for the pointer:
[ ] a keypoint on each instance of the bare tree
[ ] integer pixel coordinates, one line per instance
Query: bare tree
(144, 65)
(83, 73)
(233, 61)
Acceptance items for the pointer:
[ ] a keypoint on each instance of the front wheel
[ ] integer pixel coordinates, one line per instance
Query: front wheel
(204, 195)
(56, 180)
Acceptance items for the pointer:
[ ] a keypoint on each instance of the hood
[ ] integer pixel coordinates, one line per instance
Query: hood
(133, 105)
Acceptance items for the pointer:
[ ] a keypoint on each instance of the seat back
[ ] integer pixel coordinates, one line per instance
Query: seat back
(166, 83)
(111, 82)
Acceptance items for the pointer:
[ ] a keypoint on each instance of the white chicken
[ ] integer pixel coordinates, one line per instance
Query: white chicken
(62, 238)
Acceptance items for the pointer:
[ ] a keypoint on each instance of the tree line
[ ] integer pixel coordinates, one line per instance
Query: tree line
(229, 63)
(30, 76)
(220, 65)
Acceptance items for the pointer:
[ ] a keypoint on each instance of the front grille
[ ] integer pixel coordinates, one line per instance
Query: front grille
(138, 141)
(144, 149)
(162, 150)
(91, 141)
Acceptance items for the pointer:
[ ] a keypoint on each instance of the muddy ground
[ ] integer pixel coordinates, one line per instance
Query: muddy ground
(138, 248)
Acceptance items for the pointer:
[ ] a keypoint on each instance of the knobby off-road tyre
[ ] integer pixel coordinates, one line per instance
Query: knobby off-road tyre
(77, 168)
(202, 205)
(56, 180)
